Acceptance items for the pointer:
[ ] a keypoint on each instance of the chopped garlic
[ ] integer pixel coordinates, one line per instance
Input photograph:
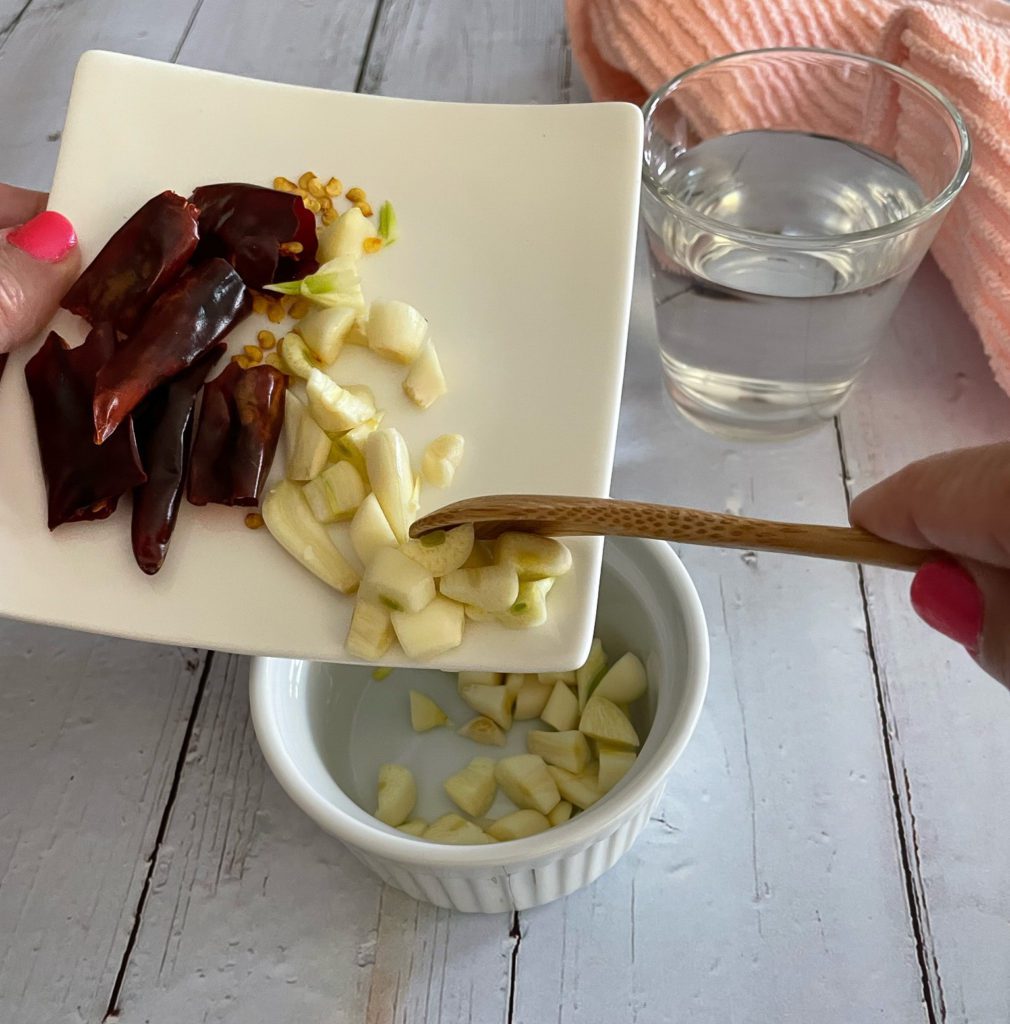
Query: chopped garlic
(530, 606)
(481, 678)
(388, 462)
(591, 672)
(296, 356)
(483, 730)
(473, 788)
(624, 682)
(615, 763)
(336, 493)
(425, 714)
(531, 700)
(442, 551)
(306, 443)
(493, 588)
(397, 794)
(437, 628)
(518, 825)
(371, 632)
(335, 283)
(562, 709)
(397, 581)
(441, 459)
(425, 382)
(581, 790)
(526, 781)
(324, 331)
(451, 828)
(604, 721)
(335, 408)
(396, 330)
(533, 557)
(568, 750)
(370, 530)
(292, 524)
(494, 702)
(344, 237)
(416, 827)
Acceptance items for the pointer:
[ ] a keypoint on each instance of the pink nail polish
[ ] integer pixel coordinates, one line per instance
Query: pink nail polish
(48, 237)
(946, 597)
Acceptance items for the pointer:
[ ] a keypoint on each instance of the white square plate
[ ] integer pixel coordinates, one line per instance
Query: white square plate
(517, 236)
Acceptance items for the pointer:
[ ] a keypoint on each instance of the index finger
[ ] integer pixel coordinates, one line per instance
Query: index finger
(18, 205)
(958, 502)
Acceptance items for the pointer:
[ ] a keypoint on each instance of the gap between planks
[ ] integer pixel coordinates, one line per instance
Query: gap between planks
(516, 935)
(193, 15)
(112, 1012)
(8, 28)
(904, 819)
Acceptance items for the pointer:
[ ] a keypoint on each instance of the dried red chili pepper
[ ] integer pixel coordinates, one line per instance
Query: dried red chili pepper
(183, 324)
(83, 480)
(248, 225)
(240, 425)
(136, 264)
(164, 425)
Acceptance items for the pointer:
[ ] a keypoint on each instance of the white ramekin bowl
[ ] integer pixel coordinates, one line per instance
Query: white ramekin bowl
(325, 728)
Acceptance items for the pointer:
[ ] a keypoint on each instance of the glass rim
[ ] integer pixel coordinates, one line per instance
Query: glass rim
(925, 213)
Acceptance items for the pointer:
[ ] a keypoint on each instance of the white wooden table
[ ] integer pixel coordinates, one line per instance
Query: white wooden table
(833, 847)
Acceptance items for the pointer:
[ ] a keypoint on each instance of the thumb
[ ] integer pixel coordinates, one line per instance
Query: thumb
(969, 602)
(38, 262)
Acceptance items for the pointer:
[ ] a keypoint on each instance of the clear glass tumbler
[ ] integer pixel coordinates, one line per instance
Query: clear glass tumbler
(789, 195)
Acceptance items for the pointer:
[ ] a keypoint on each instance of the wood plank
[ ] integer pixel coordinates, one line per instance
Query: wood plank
(514, 52)
(311, 42)
(37, 61)
(435, 965)
(254, 914)
(930, 390)
(768, 886)
(90, 731)
(11, 14)
(257, 915)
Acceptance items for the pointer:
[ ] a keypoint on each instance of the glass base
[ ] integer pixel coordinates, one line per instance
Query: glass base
(755, 414)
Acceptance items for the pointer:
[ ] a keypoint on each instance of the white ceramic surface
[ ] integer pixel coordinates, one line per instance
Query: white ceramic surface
(517, 242)
(325, 730)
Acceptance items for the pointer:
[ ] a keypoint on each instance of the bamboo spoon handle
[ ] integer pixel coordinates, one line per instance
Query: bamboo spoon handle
(565, 516)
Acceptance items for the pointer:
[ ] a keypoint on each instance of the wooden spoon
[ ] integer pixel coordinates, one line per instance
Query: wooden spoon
(561, 516)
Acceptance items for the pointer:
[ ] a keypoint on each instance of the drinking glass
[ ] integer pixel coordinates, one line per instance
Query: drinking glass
(789, 195)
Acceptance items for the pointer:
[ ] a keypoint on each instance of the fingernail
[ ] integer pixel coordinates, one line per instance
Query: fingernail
(48, 237)
(948, 599)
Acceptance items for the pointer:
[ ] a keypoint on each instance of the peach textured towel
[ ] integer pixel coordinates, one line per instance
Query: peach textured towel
(628, 48)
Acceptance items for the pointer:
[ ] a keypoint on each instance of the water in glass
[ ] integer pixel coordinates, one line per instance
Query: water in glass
(761, 336)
